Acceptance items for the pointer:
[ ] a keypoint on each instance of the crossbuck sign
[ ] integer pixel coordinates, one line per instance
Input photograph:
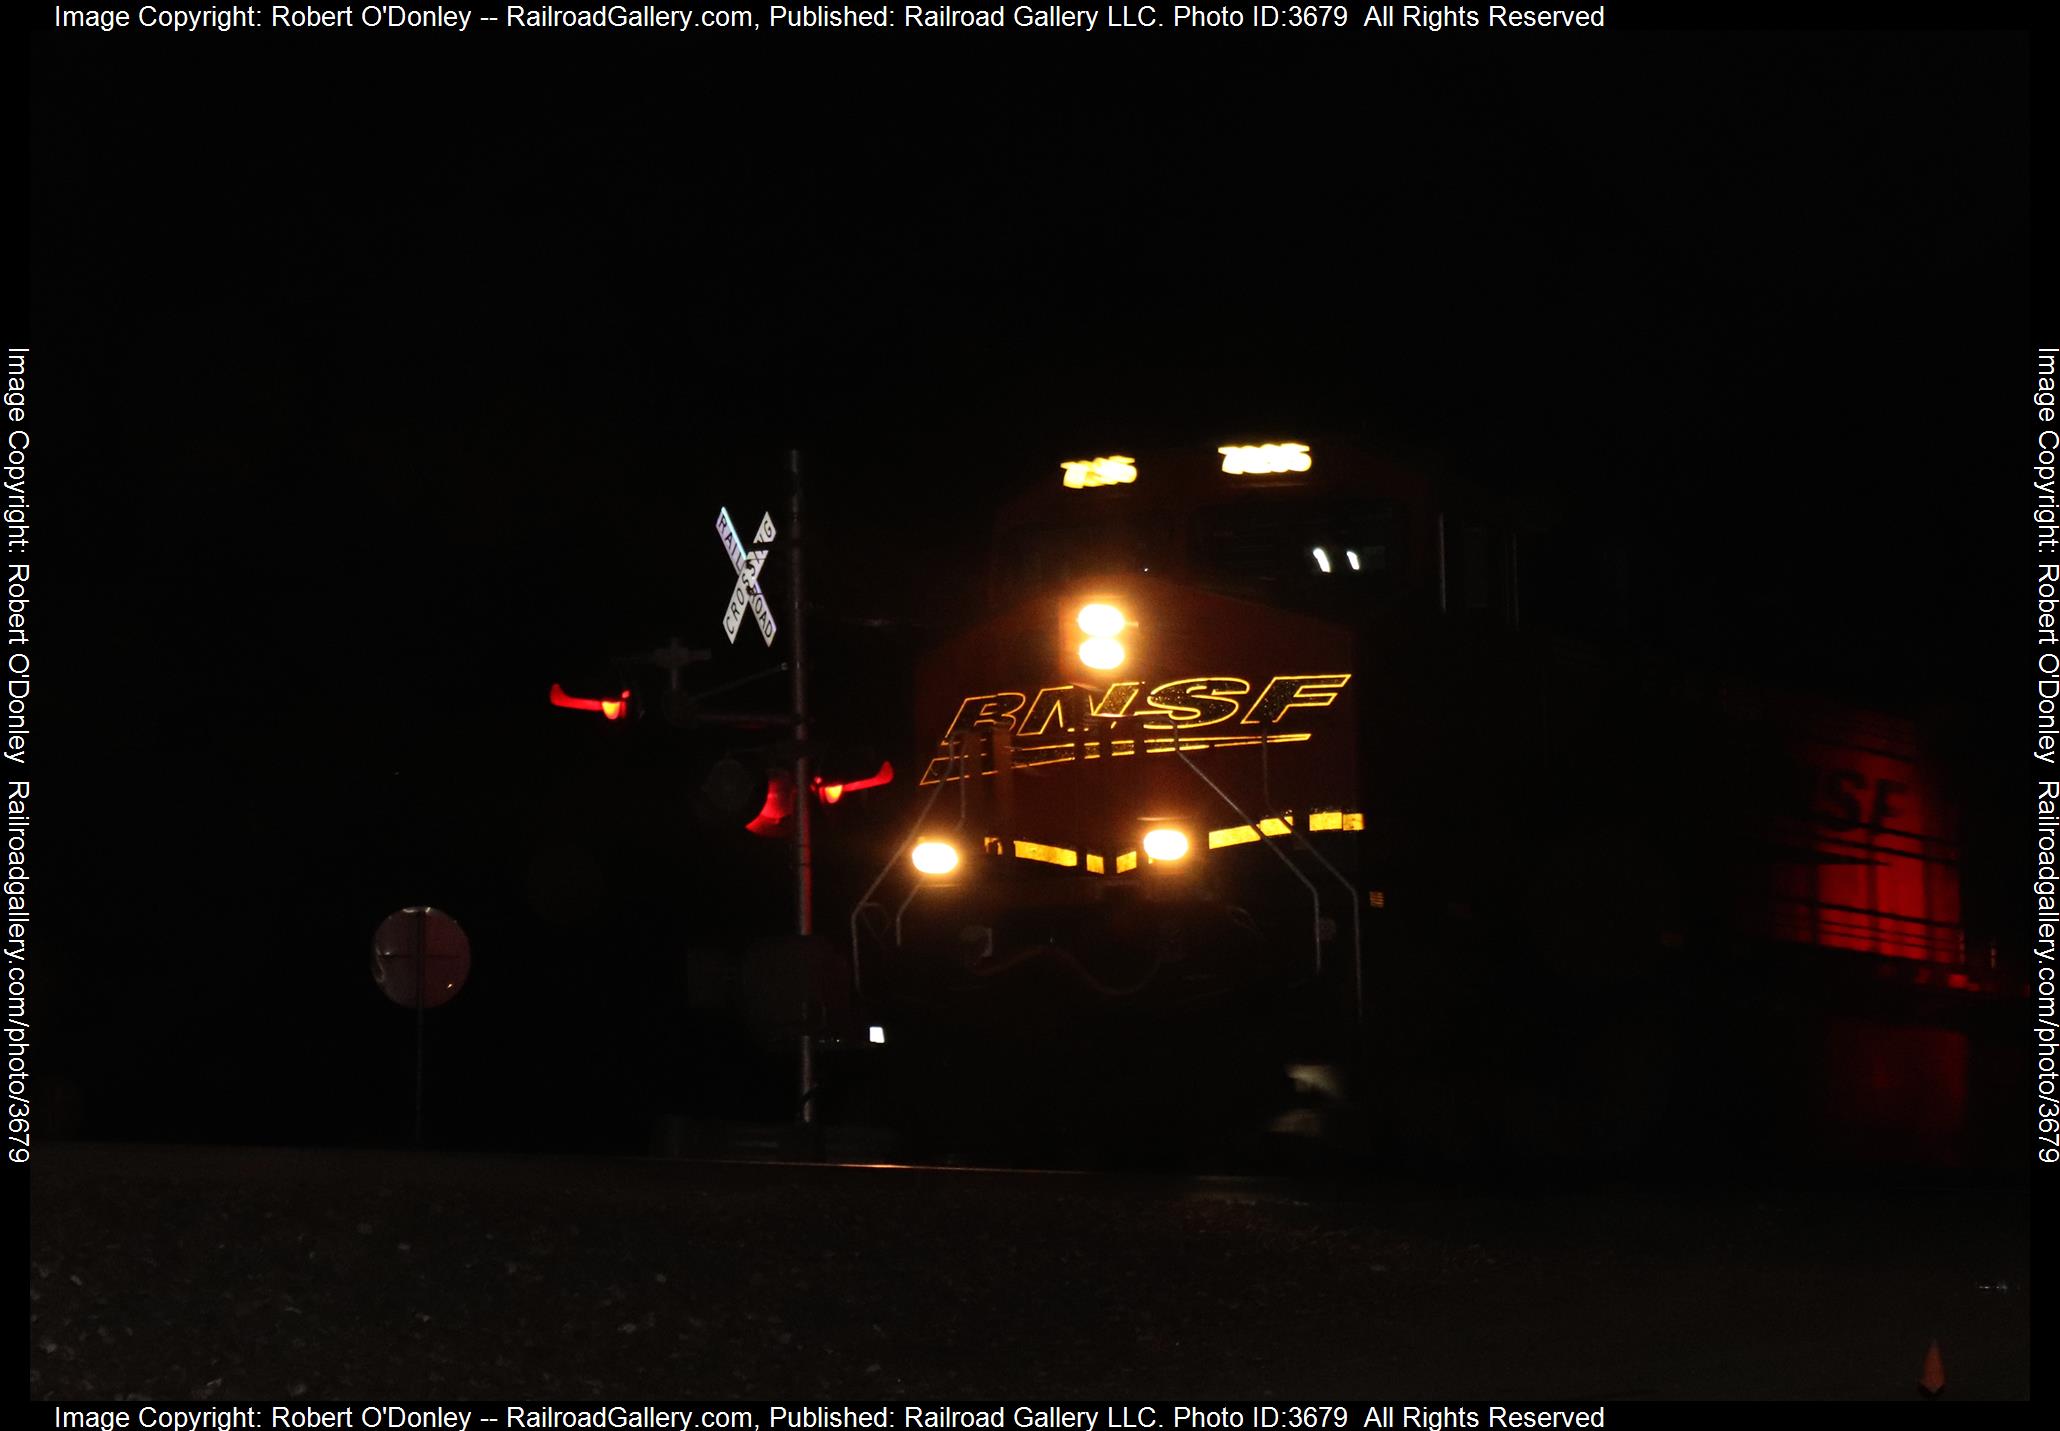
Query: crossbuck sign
(748, 565)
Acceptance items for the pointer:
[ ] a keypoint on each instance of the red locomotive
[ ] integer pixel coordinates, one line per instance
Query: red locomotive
(1259, 775)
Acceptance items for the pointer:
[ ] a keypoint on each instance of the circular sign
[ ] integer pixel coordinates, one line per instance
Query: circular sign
(420, 957)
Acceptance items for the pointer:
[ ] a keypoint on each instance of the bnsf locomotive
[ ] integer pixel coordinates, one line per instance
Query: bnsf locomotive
(1259, 799)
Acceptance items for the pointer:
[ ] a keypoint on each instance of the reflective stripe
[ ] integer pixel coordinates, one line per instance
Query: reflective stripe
(1276, 826)
(1049, 854)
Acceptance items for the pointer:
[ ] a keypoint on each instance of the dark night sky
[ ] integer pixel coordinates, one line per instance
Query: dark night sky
(379, 396)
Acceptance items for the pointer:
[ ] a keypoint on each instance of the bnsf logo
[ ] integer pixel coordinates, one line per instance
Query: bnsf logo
(1042, 729)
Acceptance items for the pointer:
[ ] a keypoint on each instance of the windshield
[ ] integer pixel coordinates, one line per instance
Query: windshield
(1292, 540)
(1072, 551)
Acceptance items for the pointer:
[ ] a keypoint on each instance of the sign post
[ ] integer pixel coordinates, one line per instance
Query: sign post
(420, 959)
(748, 563)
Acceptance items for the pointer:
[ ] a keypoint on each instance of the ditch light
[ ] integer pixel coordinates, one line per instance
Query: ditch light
(1165, 844)
(934, 857)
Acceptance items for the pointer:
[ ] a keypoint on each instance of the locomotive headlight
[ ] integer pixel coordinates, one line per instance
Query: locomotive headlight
(1103, 653)
(1165, 844)
(934, 857)
(1098, 618)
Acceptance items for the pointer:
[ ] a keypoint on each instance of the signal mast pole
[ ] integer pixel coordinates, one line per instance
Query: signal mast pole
(804, 849)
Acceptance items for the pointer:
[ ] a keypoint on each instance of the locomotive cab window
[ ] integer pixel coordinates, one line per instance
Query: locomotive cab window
(1478, 570)
(1072, 551)
(1353, 546)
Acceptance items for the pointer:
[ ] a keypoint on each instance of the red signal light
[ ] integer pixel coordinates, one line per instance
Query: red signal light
(831, 794)
(613, 707)
(771, 818)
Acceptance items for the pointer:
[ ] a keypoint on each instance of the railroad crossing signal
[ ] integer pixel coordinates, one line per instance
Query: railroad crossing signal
(748, 564)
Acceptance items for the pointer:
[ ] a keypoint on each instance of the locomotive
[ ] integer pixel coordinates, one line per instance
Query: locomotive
(1257, 804)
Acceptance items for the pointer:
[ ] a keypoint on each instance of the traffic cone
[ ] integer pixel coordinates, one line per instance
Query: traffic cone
(1933, 1381)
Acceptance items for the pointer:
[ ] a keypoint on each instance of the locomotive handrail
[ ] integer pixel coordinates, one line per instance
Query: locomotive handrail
(865, 901)
(1315, 898)
(1351, 895)
(1352, 898)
